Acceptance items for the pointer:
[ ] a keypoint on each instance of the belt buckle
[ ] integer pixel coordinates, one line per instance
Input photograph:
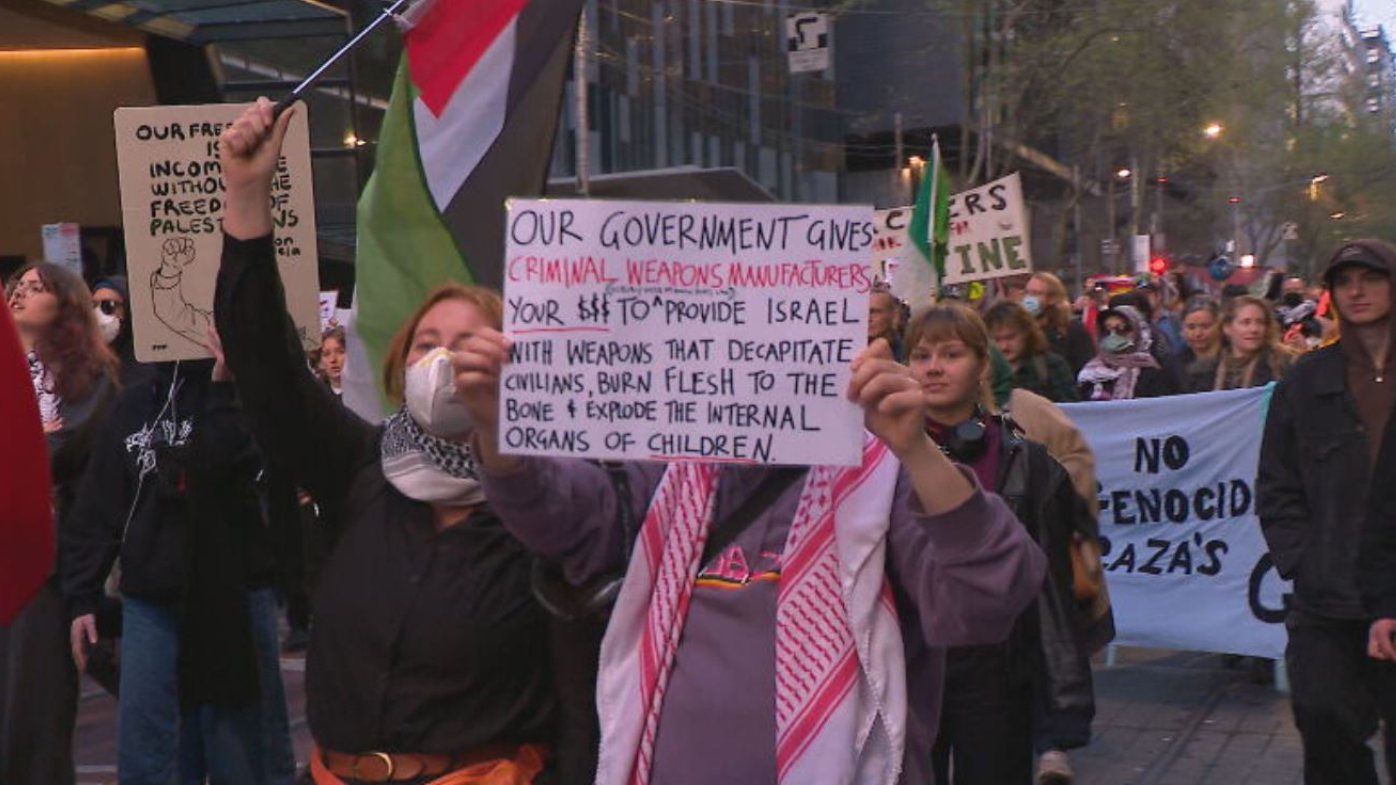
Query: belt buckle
(387, 761)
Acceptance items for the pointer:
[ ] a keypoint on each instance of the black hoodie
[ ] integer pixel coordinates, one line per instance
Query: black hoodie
(173, 488)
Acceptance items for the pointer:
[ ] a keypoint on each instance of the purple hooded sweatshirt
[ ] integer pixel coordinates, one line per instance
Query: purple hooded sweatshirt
(960, 579)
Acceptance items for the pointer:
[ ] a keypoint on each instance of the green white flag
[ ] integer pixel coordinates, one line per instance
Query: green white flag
(923, 265)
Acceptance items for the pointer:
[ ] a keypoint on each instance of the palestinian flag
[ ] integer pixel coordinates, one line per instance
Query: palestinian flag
(922, 266)
(470, 123)
(26, 525)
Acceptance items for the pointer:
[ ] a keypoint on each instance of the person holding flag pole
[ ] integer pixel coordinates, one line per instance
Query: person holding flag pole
(429, 658)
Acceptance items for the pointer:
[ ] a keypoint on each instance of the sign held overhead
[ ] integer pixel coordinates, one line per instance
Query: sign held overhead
(989, 234)
(172, 207)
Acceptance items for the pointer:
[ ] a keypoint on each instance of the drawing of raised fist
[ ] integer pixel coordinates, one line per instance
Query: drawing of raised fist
(169, 302)
(176, 253)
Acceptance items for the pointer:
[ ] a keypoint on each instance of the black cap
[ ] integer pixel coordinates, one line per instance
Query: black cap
(1356, 254)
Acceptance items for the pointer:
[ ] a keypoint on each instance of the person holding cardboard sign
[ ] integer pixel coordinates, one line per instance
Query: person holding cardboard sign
(754, 638)
(428, 658)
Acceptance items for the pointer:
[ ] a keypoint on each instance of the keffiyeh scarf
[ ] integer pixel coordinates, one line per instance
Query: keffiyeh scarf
(43, 389)
(1113, 376)
(840, 667)
(428, 468)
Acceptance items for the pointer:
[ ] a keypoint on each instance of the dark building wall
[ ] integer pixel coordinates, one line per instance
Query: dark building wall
(899, 56)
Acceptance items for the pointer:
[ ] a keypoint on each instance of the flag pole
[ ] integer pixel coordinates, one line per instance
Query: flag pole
(309, 82)
(583, 120)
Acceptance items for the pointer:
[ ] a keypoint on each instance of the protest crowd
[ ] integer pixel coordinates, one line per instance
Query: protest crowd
(921, 593)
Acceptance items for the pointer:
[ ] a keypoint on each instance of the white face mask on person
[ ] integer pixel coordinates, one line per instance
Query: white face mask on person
(1032, 304)
(431, 397)
(110, 325)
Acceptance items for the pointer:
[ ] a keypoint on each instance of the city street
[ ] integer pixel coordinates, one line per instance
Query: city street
(1165, 718)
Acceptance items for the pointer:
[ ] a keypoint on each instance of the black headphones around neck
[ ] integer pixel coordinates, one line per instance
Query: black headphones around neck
(968, 441)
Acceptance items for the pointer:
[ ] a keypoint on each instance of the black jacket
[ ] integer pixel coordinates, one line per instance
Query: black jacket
(1201, 375)
(1074, 344)
(1041, 495)
(1313, 484)
(1376, 574)
(161, 464)
(69, 449)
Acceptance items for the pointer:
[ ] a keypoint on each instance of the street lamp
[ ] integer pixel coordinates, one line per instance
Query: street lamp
(1124, 173)
(1314, 183)
(1248, 260)
(1213, 130)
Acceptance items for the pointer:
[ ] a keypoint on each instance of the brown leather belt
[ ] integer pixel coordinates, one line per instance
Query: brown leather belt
(399, 766)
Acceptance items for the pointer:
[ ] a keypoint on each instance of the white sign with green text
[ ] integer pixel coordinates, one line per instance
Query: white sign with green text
(989, 235)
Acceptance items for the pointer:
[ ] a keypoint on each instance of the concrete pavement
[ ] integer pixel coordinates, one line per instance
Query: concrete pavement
(1165, 718)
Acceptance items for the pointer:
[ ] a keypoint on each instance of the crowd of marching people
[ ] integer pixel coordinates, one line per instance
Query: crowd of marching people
(472, 617)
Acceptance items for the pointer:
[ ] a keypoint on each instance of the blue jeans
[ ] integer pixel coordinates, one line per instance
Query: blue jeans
(157, 744)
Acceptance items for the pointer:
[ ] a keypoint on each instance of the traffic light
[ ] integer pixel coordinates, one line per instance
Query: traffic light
(1158, 265)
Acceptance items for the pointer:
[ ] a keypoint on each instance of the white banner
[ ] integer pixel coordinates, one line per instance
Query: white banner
(1184, 558)
(681, 331)
(989, 235)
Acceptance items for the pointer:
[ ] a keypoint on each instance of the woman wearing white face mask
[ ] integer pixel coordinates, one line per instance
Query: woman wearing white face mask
(110, 298)
(1045, 297)
(428, 655)
(1125, 367)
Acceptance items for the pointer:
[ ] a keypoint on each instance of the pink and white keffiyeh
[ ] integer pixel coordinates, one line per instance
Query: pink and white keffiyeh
(840, 666)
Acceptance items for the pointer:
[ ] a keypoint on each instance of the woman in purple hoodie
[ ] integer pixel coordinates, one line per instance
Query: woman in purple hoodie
(810, 647)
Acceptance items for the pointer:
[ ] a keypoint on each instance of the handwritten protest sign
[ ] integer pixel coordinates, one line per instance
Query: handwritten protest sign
(63, 245)
(655, 331)
(1184, 556)
(172, 202)
(890, 239)
(328, 301)
(989, 235)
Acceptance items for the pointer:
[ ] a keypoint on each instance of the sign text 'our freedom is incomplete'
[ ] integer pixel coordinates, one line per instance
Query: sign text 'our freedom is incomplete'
(647, 330)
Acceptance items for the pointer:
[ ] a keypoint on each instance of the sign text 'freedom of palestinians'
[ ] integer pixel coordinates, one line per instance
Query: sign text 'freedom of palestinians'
(172, 206)
(1182, 549)
(989, 235)
(659, 331)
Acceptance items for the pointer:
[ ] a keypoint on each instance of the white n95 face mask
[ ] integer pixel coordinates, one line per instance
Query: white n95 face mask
(110, 325)
(431, 397)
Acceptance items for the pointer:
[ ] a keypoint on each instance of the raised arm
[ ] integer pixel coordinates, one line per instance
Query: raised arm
(573, 512)
(299, 423)
(970, 570)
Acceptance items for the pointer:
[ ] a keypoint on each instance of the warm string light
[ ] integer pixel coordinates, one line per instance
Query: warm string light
(59, 54)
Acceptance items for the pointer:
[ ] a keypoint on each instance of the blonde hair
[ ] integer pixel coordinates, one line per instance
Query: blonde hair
(395, 361)
(1057, 314)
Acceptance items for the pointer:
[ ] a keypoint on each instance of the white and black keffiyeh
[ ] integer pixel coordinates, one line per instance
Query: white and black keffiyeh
(43, 389)
(428, 468)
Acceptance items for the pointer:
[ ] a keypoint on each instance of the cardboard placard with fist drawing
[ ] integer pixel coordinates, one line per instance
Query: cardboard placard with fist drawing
(172, 201)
